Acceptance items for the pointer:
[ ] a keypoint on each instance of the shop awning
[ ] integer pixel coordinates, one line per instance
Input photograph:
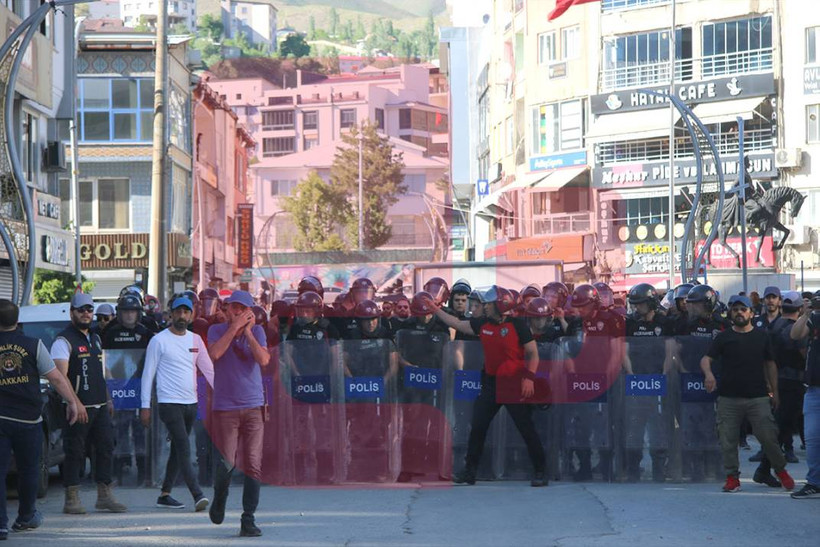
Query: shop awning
(728, 111)
(631, 125)
(558, 179)
(494, 203)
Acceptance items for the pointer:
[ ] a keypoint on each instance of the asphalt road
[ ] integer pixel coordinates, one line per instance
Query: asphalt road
(490, 513)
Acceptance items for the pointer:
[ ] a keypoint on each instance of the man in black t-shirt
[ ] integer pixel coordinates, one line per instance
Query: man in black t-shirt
(748, 371)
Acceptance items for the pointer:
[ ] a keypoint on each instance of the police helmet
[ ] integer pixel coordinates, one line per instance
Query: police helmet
(281, 309)
(311, 283)
(585, 294)
(643, 293)
(682, 290)
(260, 315)
(502, 298)
(367, 309)
(476, 295)
(703, 293)
(538, 307)
(462, 286)
(362, 289)
(605, 294)
(310, 300)
(557, 290)
(438, 289)
(422, 304)
(129, 301)
(530, 291)
(135, 290)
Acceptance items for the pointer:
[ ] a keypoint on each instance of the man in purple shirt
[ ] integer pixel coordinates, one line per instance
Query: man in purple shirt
(238, 349)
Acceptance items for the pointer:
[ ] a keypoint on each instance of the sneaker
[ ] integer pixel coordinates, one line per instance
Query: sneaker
(808, 491)
(4, 534)
(756, 457)
(763, 477)
(539, 479)
(249, 529)
(745, 445)
(790, 457)
(169, 503)
(466, 476)
(786, 479)
(34, 522)
(200, 503)
(732, 484)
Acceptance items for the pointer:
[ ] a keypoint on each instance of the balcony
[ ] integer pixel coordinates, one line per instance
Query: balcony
(644, 75)
(562, 223)
(741, 62)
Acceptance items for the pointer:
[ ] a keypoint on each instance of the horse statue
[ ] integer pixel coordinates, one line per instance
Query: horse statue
(762, 212)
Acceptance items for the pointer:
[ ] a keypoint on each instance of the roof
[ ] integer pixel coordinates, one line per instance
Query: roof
(321, 157)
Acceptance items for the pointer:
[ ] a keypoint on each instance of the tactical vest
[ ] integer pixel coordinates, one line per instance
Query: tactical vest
(85, 367)
(19, 377)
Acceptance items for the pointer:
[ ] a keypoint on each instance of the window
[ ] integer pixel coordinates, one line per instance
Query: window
(179, 107)
(310, 120)
(643, 210)
(64, 192)
(277, 146)
(546, 48)
(812, 35)
(416, 183)
(180, 199)
(238, 96)
(277, 119)
(29, 149)
(614, 5)
(380, 118)
(557, 127)
(737, 46)
(570, 38)
(282, 187)
(643, 59)
(116, 109)
(347, 118)
(405, 118)
(104, 204)
(813, 123)
(310, 143)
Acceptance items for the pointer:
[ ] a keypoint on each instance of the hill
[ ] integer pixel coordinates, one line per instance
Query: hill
(407, 16)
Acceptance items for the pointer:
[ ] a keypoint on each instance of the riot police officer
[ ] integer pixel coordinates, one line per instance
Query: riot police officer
(459, 304)
(368, 350)
(360, 290)
(528, 293)
(539, 318)
(648, 351)
(556, 295)
(124, 345)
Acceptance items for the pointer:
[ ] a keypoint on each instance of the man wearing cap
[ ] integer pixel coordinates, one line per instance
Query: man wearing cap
(772, 300)
(77, 352)
(172, 357)
(105, 314)
(748, 369)
(239, 351)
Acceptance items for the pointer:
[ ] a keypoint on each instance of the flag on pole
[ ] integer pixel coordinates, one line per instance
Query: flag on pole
(563, 5)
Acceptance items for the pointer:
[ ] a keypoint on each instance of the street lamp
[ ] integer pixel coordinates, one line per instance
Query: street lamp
(360, 138)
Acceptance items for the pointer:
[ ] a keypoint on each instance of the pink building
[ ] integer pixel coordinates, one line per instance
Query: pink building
(299, 128)
(222, 148)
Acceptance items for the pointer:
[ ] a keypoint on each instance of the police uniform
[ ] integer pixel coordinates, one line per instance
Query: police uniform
(646, 348)
(124, 356)
(87, 378)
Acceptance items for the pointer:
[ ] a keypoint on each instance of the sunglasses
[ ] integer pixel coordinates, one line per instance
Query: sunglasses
(84, 309)
(104, 317)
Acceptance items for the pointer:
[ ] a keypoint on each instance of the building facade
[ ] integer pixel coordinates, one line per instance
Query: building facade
(115, 82)
(136, 12)
(256, 19)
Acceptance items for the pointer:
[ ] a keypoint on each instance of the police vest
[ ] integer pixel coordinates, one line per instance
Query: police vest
(19, 377)
(85, 368)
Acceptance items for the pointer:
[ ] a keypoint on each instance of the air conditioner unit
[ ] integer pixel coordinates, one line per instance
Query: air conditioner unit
(799, 235)
(54, 157)
(787, 158)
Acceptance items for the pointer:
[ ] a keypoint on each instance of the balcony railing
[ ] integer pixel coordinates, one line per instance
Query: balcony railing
(756, 60)
(615, 5)
(658, 149)
(644, 74)
(562, 223)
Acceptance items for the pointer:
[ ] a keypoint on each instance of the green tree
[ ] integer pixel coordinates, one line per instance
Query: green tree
(407, 48)
(54, 287)
(360, 32)
(180, 29)
(389, 30)
(295, 45)
(334, 22)
(346, 34)
(142, 25)
(311, 28)
(382, 182)
(430, 36)
(318, 210)
(210, 27)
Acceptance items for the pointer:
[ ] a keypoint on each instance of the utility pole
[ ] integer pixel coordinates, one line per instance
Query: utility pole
(157, 276)
(361, 200)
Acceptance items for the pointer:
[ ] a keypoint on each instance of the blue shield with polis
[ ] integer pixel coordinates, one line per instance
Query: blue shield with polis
(311, 389)
(645, 385)
(422, 378)
(364, 387)
(693, 389)
(125, 394)
(466, 385)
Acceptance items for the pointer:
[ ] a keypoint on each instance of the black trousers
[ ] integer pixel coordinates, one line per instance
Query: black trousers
(484, 410)
(99, 434)
(178, 420)
(787, 417)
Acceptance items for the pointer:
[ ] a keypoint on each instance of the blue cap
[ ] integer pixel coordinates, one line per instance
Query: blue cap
(241, 297)
(105, 309)
(792, 298)
(182, 301)
(740, 299)
(81, 300)
(771, 291)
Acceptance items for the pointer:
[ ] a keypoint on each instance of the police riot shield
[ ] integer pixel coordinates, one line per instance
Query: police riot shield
(372, 449)
(586, 442)
(645, 424)
(425, 431)
(546, 417)
(123, 371)
(696, 411)
(463, 366)
(311, 374)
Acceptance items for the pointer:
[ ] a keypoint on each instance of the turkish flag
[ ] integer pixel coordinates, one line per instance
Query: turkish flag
(563, 5)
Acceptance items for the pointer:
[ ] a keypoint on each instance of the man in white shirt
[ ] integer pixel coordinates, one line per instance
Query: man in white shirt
(173, 356)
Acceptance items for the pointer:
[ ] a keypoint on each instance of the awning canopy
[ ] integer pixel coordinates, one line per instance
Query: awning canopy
(493, 203)
(728, 111)
(636, 125)
(558, 179)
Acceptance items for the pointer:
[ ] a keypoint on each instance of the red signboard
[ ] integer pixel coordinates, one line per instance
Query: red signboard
(244, 236)
(721, 257)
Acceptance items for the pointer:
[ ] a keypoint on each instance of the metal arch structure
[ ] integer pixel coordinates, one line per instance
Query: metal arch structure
(689, 117)
(16, 200)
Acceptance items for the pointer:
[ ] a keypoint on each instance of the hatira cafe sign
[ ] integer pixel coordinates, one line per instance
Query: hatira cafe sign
(656, 173)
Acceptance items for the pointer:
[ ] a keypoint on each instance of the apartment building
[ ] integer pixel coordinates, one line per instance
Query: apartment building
(136, 12)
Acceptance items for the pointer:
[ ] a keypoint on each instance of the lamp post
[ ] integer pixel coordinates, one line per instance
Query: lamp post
(360, 137)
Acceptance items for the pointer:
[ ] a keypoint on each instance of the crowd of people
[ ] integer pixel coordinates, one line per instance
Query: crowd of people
(761, 357)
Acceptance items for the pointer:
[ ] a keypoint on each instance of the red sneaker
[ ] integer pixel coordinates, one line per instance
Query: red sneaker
(786, 480)
(733, 484)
